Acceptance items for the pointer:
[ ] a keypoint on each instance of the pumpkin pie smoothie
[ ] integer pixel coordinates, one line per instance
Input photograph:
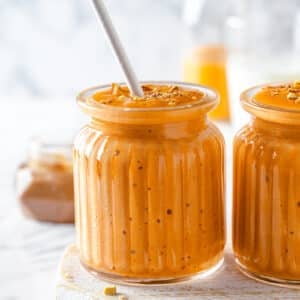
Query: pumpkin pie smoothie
(266, 209)
(149, 183)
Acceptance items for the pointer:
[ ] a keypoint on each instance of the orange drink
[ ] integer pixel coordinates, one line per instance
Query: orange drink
(266, 208)
(149, 183)
(207, 66)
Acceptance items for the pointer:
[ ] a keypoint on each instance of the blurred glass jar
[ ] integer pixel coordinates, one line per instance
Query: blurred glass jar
(44, 183)
(205, 55)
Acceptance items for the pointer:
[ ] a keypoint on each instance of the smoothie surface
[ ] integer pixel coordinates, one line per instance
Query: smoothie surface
(154, 96)
(285, 96)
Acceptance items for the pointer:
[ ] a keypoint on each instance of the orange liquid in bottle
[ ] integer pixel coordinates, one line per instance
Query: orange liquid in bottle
(207, 66)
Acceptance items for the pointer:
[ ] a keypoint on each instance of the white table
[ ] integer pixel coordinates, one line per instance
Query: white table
(29, 250)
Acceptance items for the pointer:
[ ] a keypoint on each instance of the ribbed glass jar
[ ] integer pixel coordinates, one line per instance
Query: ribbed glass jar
(149, 190)
(266, 204)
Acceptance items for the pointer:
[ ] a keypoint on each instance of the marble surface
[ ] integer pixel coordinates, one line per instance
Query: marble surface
(29, 254)
(29, 250)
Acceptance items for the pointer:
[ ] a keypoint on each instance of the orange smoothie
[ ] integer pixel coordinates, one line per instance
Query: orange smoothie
(266, 208)
(149, 183)
(207, 66)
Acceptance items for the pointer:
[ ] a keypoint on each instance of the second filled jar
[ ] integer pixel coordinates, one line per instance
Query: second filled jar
(149, 183)
(266, 208)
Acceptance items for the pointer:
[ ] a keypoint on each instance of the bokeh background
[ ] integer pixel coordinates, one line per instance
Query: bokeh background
(50, 50)
(55, 48)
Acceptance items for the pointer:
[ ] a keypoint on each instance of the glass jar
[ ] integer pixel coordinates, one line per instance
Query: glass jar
(44, 183)
(149, 190)
(266, 203)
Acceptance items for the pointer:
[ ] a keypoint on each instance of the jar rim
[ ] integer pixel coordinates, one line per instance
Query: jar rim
(268, 112)
(148, 115)
(210, 98)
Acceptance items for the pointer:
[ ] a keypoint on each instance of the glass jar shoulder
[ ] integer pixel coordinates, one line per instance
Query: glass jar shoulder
(211, 139)
(266, 139)
(214, 132)
(268, 149)
(209, 132)
(91, 142)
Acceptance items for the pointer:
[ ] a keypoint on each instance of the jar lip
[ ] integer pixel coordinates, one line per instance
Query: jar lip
(207, 102)
(268, 112)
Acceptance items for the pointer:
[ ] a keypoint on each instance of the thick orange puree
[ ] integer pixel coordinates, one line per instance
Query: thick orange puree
(154, 96)
(286, 96)
(266, 202)
(149, 197)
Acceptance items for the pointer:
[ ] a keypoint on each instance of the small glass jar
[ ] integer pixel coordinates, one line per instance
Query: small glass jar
(44, 183)
(266, 203)
(149, 190)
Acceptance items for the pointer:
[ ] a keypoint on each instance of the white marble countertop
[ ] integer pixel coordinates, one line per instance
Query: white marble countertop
(29, 252)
